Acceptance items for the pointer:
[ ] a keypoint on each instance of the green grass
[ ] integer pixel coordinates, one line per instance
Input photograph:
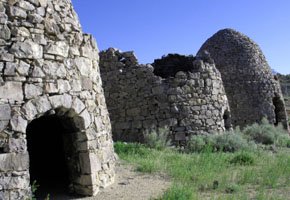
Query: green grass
(255, 174)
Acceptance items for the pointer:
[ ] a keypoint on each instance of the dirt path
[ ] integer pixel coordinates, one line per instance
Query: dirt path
(130, 185)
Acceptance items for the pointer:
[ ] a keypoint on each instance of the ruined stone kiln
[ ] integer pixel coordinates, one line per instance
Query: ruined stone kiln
(253, 91)
(186, 94)
(188, 98)
(54, 124)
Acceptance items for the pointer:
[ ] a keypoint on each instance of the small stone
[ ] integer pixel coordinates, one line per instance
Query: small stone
(50, 88)
(23, 68)
(14, 162)
(54, 69)
(32, 91)
(78, 105)
(11, 90)
(87, 118)
(5, 112)
(17, 12)
(5, 32)
(61, 100)
(18, 124)
(42, 104)
(10, 69)
(17, 145)
(20, 32)
(59, 48)
(29, 110)
(26, 5)
(84, 65)
(35, 18)
(27, 49)
(63, 86)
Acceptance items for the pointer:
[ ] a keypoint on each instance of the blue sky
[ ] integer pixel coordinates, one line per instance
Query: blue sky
(153, 28)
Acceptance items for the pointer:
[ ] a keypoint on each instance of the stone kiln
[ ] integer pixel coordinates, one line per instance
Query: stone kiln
(188, 102)
(54, 124)
(253, 91)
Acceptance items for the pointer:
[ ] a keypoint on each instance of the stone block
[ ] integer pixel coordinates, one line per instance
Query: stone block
(59, 48)
(14, 162)
(61, 100)
(12, 91)
(29, 110)
(27, 49)
(84, 65)
(17, 12)
(5, 112)
(32, 91)
(18, 124)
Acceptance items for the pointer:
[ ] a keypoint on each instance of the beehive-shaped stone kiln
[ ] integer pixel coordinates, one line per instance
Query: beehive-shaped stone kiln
(252, 89)
(54, 123)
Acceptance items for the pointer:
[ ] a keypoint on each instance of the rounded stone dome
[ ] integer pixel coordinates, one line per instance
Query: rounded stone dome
(253, 91)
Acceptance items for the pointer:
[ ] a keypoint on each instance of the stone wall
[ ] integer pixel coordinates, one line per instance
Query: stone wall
(251, 88)
(187, 102)
(49, 67)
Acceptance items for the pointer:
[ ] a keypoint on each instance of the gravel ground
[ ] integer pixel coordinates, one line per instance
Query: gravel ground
(129, 185)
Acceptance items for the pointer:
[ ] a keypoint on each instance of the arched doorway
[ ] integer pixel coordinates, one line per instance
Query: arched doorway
(280, 113)
(52, 147)
(227, 120)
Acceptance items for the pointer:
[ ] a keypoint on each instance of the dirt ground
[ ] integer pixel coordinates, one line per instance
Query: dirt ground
(130, 185)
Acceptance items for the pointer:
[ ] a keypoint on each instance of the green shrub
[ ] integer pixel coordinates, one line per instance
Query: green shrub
(196, 143)
(242, 159)
(263, 133)
(227, 142)
(230, 142)
(157, 139)
(267, 134)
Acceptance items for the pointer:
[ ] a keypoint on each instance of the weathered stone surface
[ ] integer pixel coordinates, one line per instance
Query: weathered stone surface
(5, 32)
(251, 88)
(29, 110)
(78, 105)
(61, 100)
(32, 91)
(84, 65)
(14, 162)
(140, 101)
(42, 104)
(17, 12)
(17, 145)
(18, 124)
(49, 69)
(5, 112)
(12, 91)
(54, 69)
(27, 49)
(59, 48)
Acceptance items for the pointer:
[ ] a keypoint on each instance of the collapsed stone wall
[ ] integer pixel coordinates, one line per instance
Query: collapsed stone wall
(186, 102)
(252, 89)
(49, 67)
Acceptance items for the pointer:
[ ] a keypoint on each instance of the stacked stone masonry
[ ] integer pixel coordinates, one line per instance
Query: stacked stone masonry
(253, 91)
(186, 94)
(49, 67)
(188, 103)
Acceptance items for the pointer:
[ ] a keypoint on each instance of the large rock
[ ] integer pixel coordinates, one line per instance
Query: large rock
(12, 91)
(27, 49)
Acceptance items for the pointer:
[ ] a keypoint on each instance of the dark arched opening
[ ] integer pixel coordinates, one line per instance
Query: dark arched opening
(279, 109)
(227, 120)
(52, 153)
